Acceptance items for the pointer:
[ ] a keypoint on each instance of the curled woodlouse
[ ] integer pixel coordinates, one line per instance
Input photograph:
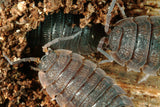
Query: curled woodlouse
(58, 26)
(76, 82)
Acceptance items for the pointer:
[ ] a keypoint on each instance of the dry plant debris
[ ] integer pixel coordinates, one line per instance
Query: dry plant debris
(142, 7)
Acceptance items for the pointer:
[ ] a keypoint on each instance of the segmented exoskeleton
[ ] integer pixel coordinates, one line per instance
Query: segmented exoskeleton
(73, 81)
(135, 43)
(60, 25)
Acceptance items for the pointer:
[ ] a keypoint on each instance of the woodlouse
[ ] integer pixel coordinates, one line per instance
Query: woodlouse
(135, 43)
(74, 81)
(60, 25)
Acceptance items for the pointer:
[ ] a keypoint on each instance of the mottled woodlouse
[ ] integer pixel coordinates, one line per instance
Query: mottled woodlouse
(135, 43)
(76, 82)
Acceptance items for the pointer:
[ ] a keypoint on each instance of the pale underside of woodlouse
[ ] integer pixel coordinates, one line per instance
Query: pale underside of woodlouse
(73, 81)
(135, 43)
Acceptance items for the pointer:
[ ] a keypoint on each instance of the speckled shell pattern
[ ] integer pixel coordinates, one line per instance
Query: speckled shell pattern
(64, 25)
(76, 82)
(135, 43)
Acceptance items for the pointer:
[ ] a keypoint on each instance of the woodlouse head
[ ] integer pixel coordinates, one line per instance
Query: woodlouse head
(47, 61)
(44, 65)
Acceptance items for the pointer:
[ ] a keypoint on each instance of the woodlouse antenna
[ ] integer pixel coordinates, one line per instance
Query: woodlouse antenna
(108, 17)
(35, 68)
(121, 10)
(33, 59)
(45, 47)
(102, 41)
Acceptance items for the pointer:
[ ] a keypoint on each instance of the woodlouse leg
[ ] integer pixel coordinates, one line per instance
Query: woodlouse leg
(99, 48)
(110, 59)
(144, 78)
(121, 10)
(129, 69)
(37, 60)
(35, 68)
(53, 99)
(108, 17)
(45, 47)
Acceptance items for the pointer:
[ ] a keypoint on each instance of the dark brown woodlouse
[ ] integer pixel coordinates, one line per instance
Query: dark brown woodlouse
(73, 81)
(60, 25)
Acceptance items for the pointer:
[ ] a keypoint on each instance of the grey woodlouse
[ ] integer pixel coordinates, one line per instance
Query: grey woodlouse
(60, 25)
(74, 81)
(135, 43)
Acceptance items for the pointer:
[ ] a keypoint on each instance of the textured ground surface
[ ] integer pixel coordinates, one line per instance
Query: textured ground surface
(19, 87)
